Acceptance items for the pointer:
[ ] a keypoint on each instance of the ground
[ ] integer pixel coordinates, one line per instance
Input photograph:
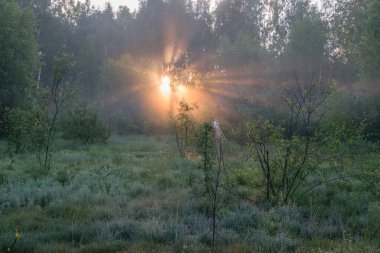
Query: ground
(132, 194)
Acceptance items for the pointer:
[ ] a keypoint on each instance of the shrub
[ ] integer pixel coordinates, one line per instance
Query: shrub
(85, 124)
(24, 129)
(183, 126)
(288, 156)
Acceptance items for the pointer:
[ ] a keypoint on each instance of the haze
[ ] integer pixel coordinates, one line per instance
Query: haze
(131, 4)
(177, 127)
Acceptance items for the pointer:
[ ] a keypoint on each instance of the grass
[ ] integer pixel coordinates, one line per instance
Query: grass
(132, 195)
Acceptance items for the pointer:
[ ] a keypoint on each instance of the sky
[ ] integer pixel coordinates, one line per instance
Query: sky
(132, 4)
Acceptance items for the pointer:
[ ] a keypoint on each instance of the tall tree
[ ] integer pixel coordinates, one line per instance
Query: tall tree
(18, 54)
(307, 41)
(229, 18)
(369, 46)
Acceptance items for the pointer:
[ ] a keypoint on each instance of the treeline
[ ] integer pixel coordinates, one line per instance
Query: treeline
(246, 49)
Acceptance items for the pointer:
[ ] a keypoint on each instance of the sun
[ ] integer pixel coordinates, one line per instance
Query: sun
(181, 88)
(165, 85)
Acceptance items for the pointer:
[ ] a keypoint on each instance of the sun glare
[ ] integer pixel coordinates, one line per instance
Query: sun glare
(165, 85)
(181, 88)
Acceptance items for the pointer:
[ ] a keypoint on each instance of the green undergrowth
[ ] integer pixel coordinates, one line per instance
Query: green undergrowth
(132, 194)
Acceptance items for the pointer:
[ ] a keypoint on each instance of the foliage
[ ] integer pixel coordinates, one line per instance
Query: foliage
(128, 193)
(24, 128)
(184, 126)
(52, 100)
(124, 124)
(243, 51)
(84, 124)
(206, 148)
(288, 156)
(360, 111)
(33, 126)
(210, 148)
(369, 46)
(372, 226)
(307, 51)
(91, 203)
(267, 39)
(18, 54)
(18, 51)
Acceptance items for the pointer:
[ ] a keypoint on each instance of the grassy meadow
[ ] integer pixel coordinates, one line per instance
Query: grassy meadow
(203, 126)
(132, 194)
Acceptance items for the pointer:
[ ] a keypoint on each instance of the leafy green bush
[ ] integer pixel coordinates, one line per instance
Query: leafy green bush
(354, 110)
(85, 124)
(24, 129)
(184, 125)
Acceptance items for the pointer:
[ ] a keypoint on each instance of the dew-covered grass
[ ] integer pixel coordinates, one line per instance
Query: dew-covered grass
(132, 195)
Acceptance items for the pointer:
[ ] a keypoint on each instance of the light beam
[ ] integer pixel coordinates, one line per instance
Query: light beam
(165, 85)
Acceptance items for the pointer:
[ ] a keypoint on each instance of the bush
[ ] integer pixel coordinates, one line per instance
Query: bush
(24, 129)
(85, 124)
